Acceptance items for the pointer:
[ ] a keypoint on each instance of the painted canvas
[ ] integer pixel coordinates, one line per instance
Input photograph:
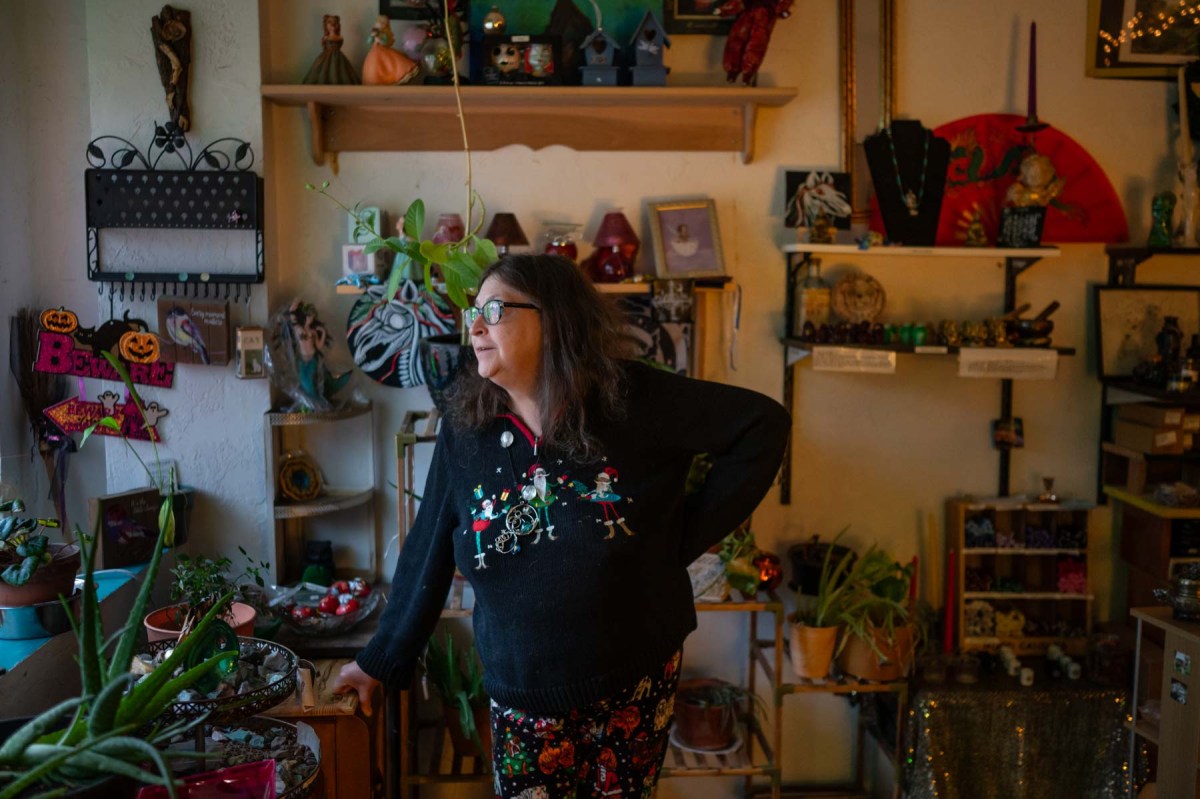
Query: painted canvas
(807, 194)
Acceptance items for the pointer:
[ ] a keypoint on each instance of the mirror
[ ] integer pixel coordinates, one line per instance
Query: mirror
(866, 34)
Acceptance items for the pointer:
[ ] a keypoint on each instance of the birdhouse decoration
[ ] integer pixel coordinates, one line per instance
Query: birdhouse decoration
(600, 50)
(648, 43)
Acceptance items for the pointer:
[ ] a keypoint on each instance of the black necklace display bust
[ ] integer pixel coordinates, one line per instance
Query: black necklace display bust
(908, 168)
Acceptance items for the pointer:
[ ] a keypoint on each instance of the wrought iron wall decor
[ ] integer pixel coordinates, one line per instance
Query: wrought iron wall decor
(213, 190)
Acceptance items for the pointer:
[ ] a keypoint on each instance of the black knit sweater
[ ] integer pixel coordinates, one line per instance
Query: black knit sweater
(590, 590)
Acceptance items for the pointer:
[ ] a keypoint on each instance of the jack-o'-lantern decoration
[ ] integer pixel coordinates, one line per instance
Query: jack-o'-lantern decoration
(59, 320)
(139, 347)
(770, 571)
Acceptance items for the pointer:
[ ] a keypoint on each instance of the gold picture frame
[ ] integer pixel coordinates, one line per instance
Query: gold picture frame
(686, 239)
(1113, 15)
(867, 39)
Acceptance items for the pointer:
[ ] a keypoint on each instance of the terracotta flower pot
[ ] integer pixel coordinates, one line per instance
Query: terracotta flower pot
(463, 745)
(860, 660)
(812, 650)
(51, 580)
(164, 622)
(699, 725)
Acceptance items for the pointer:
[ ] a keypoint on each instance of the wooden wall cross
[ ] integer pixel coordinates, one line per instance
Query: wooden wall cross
(172, 33)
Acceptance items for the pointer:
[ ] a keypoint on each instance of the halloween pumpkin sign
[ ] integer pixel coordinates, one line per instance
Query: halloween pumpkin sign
(59, 320)
(139, 347)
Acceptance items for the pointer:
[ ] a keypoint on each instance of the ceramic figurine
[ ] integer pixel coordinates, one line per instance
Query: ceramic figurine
(973, 334)
(822, 230)
(998, 333)
(1037, 184)
(949, 335)
(1162, 208)
(384, 66)
(412, 38)
(746, 46)
(331, 67)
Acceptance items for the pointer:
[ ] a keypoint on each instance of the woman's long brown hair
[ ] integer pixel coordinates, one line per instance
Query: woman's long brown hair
(583, 343)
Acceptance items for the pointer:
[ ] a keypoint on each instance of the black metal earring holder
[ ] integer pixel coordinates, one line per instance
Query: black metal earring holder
(212, 191)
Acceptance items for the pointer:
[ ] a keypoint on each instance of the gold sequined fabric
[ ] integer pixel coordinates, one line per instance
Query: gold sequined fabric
(997, 740)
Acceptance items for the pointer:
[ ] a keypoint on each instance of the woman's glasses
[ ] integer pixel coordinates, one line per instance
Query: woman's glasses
(491, 311)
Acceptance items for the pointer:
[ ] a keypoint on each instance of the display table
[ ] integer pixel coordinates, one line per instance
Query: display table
(997, 740)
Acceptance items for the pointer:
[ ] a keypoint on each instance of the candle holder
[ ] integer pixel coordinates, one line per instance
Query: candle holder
(1189, 206)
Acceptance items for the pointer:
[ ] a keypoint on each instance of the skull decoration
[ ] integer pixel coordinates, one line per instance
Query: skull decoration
(506, 57)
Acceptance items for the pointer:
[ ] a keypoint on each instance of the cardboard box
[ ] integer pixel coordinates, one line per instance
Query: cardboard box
(1152, 415)
(1148, 439)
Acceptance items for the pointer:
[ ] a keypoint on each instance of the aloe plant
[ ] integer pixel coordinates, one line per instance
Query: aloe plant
(876, 598)
(832, 588)
(112, 728)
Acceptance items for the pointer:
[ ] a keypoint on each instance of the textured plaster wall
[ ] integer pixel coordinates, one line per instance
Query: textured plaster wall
(878, 453)
(214, 432)
(46, 126)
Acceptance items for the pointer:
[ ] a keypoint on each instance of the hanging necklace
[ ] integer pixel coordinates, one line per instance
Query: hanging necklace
(912, 200)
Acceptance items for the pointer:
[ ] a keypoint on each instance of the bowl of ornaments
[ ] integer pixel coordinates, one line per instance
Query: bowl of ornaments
(311, 609)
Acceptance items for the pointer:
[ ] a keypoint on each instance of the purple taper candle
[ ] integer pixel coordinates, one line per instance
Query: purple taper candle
(1032, 115)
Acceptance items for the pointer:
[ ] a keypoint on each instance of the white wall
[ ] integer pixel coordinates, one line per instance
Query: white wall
(214, 432)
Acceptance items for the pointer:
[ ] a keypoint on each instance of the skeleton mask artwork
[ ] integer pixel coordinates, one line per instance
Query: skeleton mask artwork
(506, 57)
(383, 336)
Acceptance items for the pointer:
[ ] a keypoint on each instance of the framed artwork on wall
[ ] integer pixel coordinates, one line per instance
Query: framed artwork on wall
(807, 194)
(1129, 318)
(687, 241)
(421, 9)
(695, 16)
(1128, 38)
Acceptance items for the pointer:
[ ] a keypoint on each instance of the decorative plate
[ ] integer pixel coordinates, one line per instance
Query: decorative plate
(858, 297)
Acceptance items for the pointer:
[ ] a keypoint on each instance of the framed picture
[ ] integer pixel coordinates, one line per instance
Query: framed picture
(128, 524)
(193, 332)
(1128, 318)
(1128, 39)
(421, 9)
(513, 60)
(669, 343)
(687, 241)
(695, 16)
(807, 194)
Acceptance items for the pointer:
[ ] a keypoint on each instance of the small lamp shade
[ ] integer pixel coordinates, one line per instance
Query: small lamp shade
(505, 232)
(615, 231)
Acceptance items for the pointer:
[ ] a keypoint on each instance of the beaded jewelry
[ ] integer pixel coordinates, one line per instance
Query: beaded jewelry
(911, 200)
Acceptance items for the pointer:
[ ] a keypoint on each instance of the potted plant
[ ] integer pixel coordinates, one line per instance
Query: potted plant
(32, 568)
(707, 711)
(737, 552)
(877, 617)
(460, 263)
(110, 731)
(814, 633)
(464, 702)
(199, 583)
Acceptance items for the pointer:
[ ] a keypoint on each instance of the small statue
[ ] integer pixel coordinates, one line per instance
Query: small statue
(1038, 184)
(998, 333)
(384, 66)
(973, 334)
(822, 230)
(1162, 208)
(950, 337)
(746, 46)
(171, 32)
(297, 351)
(331, 67)
(976, 234)
(1169, 340)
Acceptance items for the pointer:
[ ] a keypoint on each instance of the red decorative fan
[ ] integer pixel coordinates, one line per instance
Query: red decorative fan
(985, 153)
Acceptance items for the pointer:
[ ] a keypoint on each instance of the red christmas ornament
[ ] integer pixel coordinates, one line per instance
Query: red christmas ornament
(770, 571)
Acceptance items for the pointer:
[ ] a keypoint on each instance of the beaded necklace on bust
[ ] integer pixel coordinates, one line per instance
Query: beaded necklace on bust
(912, 200)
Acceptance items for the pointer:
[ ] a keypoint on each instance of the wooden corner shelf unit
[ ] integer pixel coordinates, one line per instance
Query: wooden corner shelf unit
(425, 118)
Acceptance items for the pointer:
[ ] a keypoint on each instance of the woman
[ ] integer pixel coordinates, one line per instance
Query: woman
(557, 488)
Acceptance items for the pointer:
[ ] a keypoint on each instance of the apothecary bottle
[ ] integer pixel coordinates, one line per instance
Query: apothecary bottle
(811, 300)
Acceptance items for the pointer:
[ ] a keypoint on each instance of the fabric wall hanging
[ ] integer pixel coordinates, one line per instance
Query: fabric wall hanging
(383, 335)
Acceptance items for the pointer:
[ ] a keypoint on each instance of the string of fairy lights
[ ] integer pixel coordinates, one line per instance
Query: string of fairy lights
(1142, 24)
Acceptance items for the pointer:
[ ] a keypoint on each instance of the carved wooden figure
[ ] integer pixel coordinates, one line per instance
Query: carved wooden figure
(172, 34)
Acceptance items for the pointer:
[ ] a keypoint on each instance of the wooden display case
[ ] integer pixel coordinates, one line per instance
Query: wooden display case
(1023, 571)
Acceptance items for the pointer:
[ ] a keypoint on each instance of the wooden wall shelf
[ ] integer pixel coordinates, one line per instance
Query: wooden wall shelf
(385, 118)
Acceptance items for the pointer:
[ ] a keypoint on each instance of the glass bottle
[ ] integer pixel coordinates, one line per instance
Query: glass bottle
(811, 300)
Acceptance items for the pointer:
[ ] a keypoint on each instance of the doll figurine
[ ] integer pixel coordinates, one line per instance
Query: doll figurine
(751, 33)
(332, 67)
(1037, 184)
(384, 66)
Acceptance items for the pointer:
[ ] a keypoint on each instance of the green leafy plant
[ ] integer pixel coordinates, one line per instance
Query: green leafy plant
(734, 701)
(112, 728)
(875, 598)
(737, 552)
(23, 549)
(461, 262)
(201, 582)
(461, 688)
(832, 587)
